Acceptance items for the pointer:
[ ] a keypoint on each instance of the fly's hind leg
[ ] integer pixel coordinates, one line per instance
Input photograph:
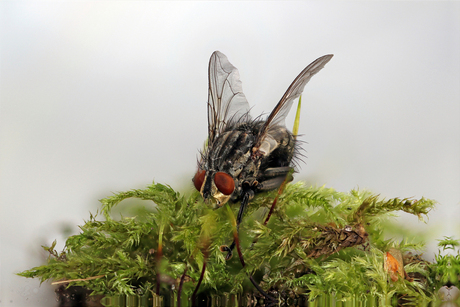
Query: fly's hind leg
(275, 183)
(274, 178)
(277, 171)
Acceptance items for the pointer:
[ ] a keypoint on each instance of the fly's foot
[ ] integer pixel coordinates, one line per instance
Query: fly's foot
(225, 248)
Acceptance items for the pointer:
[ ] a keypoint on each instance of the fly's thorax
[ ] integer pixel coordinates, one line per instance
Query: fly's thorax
(231, 150)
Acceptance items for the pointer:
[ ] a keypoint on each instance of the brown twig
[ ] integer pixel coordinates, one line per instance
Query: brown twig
(280, 191)
(240, 255)
(179, 290)
(203, 269)
(159, 256)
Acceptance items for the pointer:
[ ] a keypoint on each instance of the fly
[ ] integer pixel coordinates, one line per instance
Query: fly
(245, 156)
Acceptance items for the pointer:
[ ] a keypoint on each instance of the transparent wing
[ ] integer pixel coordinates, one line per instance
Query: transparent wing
(226, 101)
(278, 115)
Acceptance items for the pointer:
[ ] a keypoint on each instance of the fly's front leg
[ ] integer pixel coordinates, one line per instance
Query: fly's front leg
(247, 196)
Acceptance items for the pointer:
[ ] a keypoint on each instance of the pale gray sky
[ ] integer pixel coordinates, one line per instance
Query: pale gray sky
(99, 97)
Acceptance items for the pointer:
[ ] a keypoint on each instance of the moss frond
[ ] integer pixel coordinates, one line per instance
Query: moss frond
(317, 241)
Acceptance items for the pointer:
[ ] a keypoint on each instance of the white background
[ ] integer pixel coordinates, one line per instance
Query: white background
(100, 97)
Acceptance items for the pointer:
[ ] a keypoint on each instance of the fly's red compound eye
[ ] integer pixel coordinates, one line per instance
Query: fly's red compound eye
(199, 179)
(224, 182)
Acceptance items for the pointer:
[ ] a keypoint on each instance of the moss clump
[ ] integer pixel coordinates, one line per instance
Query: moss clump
(317, 241)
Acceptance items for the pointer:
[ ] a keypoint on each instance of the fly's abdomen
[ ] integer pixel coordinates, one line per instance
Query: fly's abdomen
(282, 155)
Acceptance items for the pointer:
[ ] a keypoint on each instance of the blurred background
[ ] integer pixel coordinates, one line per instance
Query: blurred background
(100, 97)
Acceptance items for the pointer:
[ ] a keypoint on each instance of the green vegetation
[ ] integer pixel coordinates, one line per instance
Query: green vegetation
(317, 241)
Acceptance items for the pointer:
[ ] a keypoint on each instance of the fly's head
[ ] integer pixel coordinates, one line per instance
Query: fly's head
(213, 185)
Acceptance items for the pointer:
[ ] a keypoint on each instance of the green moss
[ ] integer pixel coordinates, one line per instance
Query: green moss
(318, 241)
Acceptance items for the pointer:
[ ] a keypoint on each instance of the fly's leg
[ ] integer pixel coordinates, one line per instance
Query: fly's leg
(277, 171)
(277, 176)
(247, 195)
(287, 178)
